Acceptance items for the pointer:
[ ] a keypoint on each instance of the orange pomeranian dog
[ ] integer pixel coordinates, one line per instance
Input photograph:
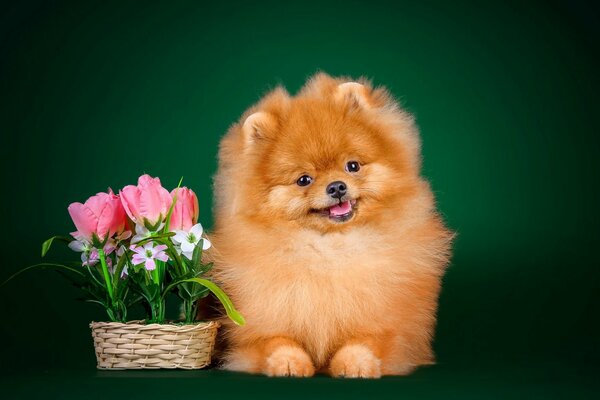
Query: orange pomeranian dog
(326, 236)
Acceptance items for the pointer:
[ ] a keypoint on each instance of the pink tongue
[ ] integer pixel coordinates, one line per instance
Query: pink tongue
(340, 209)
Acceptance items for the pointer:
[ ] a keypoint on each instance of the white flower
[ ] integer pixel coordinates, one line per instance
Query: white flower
(141, 232)
(80, 245)
(86, 249)
(187, 241)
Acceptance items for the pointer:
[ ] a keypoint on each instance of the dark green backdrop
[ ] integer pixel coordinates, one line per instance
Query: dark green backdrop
(505, 94)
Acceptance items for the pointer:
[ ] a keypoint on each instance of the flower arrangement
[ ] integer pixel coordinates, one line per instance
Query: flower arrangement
(140, 245)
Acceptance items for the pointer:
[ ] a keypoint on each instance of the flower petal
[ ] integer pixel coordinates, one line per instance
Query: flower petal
(130, 198)
(108, 211)
(140, 229)
(180, 236)
(185, 210)
(110, 246)
(137, 238)
(154, 200)
(162, 256)
(124, 235)
(137, 259)
(84, 219)
(206, 244)
(150, 265)
(78, 236)
(77, 246)
(159, 248)
(197, 230)
(187, 246)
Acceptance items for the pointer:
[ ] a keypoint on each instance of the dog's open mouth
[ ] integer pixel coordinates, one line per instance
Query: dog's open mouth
(340, 212)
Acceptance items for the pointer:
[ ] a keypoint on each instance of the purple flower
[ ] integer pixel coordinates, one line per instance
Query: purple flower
(147, 254)
(89, 254)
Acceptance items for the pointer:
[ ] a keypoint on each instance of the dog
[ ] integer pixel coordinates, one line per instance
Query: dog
(326, 236)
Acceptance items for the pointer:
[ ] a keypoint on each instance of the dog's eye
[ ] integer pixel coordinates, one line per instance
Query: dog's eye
(352, 166)
(304, 180)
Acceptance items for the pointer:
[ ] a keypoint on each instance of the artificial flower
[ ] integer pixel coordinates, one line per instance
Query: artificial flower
(118, 242)
(148, 254)
(89, 254)
(187, 241)
(101, 216)
(147, 203)
(185, 210)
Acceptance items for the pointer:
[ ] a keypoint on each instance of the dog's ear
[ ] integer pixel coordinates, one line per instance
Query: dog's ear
(257, 127)
(262, 123)
(354, 94)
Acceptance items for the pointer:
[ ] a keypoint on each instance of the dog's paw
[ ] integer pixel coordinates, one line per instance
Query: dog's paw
(355, 361)
(289, 361)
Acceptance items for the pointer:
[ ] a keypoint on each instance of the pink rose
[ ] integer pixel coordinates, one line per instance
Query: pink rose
(101, 215)
(147, 203)
(185, 211)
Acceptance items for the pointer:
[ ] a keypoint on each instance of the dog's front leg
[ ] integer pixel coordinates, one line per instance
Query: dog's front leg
(276, 356)
(356, 359)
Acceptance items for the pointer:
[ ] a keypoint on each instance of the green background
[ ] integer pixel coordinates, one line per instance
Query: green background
(94, 94)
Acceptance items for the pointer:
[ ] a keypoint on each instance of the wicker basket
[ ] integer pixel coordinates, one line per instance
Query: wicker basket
(135, 345)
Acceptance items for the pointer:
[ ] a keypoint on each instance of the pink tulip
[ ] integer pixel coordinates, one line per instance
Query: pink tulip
(101, 216)
(147, 203)
(185, 210)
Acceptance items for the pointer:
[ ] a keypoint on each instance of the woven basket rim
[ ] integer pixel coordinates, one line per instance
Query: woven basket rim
(141, 325)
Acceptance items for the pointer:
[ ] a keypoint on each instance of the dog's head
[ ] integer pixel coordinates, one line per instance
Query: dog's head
(337, 154)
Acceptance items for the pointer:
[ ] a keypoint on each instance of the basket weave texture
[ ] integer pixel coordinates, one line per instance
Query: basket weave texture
(135, 345)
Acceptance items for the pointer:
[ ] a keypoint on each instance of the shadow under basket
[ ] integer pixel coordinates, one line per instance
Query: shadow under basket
(136, 345)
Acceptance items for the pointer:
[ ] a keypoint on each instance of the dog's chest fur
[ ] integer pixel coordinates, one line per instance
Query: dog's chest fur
(321, 289)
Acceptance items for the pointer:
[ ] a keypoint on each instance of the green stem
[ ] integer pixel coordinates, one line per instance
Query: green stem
(158, 312)
(106, 274)
(157, 301)
(179, 264)
(188, 306)
(195, 310)
(156, 275)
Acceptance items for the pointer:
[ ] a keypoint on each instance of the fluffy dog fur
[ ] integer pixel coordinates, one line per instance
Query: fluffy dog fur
(355, 298)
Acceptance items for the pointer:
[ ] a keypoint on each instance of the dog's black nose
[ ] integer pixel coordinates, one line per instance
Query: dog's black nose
(336, 189)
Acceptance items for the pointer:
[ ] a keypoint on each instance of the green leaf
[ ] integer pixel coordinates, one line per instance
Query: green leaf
(94, 279)
(188, 264)
(184, 292)
(168, 219)
(96, 302)
(197, 255)
(200, 292)
(42, 266)
(204, 269)
(232, 313)
(132, 300)
(179, 262)
(119, 271)
(156, 237)
(46, 245)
